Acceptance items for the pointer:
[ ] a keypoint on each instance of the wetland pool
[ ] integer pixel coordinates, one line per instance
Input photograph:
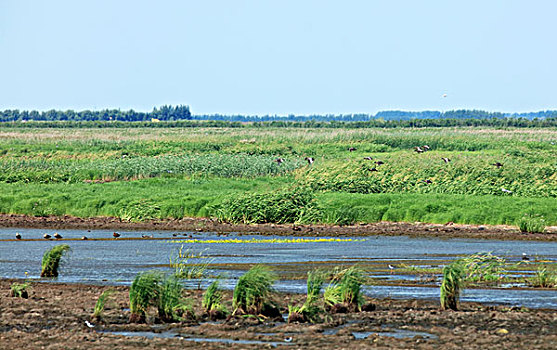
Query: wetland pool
(102, 259)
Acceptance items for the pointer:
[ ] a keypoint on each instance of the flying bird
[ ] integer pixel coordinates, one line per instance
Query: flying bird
(444, 95)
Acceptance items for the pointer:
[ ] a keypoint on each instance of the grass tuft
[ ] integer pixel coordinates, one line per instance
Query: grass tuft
(530, 223)
(19, 290)
(451, 285)
(101, 303)
(51, 260)
(346, 288)
(252, 291)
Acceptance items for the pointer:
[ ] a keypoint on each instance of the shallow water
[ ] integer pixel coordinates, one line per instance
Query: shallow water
(117, 261)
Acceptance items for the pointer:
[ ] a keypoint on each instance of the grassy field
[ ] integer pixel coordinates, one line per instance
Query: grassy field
(137, 174)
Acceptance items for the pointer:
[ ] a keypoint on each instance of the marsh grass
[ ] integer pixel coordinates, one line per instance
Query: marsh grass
(252, 291)
(483, 267)
(345, 288)
(52, 260)
(309, 311)
(101, 303)
(297, 205)
(530, 223)
(183, 268)
(19, 290)
(171, 305)
(452, 285)
(545, 277)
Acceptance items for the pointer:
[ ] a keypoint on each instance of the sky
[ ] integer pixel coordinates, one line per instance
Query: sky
(279, 57)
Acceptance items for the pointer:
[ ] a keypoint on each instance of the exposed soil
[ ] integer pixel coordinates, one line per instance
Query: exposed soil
(54, 315)
(448, 230)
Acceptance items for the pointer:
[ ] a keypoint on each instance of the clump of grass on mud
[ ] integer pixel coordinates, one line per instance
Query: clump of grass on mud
(160, 291)
(483, 267)
(309, 311)
(344, 291)
(285, 206)
(212, 301)
(530, 223)
(251, 294)
(51, 260)
(452, 285)
(19, 290)
(544, 277)
(101, 303)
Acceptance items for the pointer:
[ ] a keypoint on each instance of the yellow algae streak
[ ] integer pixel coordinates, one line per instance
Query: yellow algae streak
(266, 240)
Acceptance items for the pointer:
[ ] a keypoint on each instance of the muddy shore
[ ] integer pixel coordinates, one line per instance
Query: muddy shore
(448, 230)
(54, 315)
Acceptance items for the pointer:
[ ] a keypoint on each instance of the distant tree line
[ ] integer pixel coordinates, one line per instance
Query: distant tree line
(182, 113)
(162, 113)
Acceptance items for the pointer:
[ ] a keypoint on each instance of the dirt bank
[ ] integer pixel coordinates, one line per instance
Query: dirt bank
(54, 318)
(449, 230)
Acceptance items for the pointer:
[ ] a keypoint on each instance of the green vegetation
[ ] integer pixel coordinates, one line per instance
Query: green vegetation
(185, 270)
(545, 277)
(345, 288)
(530, 223)
(212, 301)
(483, 267)
(310, 309)
(101, 303)
(452, 285)
(233, 174)
(51, 260)
(19, 290)
(251, 294)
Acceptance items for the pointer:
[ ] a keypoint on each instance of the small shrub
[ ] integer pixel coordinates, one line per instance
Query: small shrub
(19, 290)
(530, 223)
(451, 285)
(251, 294)
(51, 260)
(101, 303)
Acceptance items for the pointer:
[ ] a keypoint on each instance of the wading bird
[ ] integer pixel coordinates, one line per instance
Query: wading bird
(115, 235)
(46, 236)
(17, 235)
(391, 268)
(525, 257)
(57, 236)
(446, 160)
(310, 160)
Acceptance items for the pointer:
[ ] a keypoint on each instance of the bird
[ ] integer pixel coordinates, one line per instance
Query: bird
(444, 95)
(497, 164)
(288, 339)
(46, 236)
(57, 235)
(115, 235)
(373, 169)
(279, 161)
(525, 257)
(379, 162)
(392, 268)
(368, 158)
(17, 235)
(310, 160)
(147, 236)
(428, 181)
(418, 149)
(505, 190)
(351, 149)
(89, 324)
(446, 160)
(84, 238)
(425, 147)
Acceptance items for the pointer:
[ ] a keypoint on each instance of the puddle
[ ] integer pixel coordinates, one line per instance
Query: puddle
(193, 338)
(395, 333)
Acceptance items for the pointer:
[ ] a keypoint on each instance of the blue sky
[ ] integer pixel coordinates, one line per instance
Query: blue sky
(279, 57)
